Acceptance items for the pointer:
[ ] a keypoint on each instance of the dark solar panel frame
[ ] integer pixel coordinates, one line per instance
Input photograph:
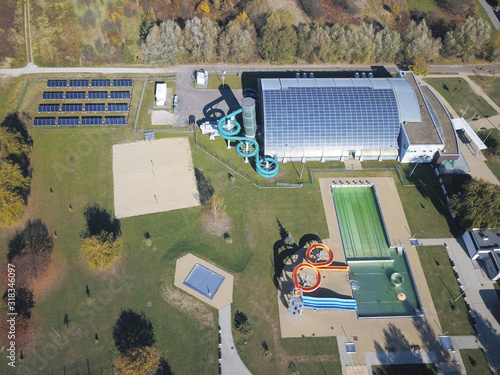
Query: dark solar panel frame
(78, 83)
(72, 107)
(57, 83)
(95, 107)
(68, 121)
(75, 95)
(98, 95)
(91, 120)
(47, 108)
(115, 120)
(101, 83)
(44, 121)
(117, 107)
(120, 95)
(122, 83)
(53, 95)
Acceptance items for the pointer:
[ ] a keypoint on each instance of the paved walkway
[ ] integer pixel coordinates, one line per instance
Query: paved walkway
(479, 294)
(490, 14)
(231, 361)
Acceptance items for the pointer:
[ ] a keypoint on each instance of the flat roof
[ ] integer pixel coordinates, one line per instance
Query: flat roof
(423, 132)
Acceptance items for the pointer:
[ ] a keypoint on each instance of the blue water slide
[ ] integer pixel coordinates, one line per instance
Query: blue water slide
(330, 303)
(266, 166)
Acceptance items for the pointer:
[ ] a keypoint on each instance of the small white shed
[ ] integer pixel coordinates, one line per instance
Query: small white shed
(161, 93)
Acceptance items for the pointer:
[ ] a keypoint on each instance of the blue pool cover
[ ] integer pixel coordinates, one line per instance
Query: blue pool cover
(203, 280)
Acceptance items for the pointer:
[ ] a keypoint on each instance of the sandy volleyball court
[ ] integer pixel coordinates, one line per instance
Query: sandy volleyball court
(153, 176)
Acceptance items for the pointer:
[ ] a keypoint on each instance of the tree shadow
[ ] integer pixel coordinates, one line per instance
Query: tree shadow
(489, 337)
(164, 368)
(14, 123)
(395, 348)
(99, 219)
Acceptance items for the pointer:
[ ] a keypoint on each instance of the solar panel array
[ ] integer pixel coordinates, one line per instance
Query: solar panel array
(53, 95)
(120, 94)
(57, 83)
(324, 118)
(78, 83)
(101, 83)
(44, 121)
(72, 95)
(72, 107)
(47, 108)
(122, 83)
(87, 107)
(68, 121)
(91, 120)
(117, 107)
(92, 107)
(115, 120)
(98, 94)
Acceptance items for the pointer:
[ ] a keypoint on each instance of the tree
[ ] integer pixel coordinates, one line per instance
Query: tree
(132, 331)
(101, 250)
(279, 39)
(141, 361)
(314, 43)
(11, 207)
(164, 44)
(419, 43)
(200, 39)
(12, 144)
(387, 45)
(468, 40)
(24, 301)
(236, 43)
(216, 208)
(30, 249)
(420, 67)
(478, 206)
(14, 187)
(241, 323)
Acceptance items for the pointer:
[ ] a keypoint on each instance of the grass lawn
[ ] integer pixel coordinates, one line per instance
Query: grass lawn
(475, 361)
(148, 102)
(491, 161)
(460, 96)
(232, 80)
(444, 288)
(417, 369)
(10, 92)
(490, 84)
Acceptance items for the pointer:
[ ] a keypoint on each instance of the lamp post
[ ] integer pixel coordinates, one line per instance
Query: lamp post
(223, 78)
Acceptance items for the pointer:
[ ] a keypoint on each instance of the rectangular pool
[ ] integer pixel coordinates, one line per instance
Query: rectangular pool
(203, 280)
(379, 274)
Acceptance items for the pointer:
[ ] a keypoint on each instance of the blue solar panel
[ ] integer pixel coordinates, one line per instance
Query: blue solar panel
(57, 83)
(45, 108)
(68, 121)
(203, 280)
(72, 107)
(101, 83)
(53, 95)
(117, 107)
(98, 94)
(325, 118)
(91, 120)
(72, 95)
(122, 83)
(44, 121)
(120, 94)
(78, 83)
(92, 107)
(115, 120)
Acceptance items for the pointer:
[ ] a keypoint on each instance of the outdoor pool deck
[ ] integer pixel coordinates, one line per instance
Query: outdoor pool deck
(368, 335)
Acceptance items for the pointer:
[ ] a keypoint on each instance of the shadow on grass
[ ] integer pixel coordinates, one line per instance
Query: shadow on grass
(99, 219)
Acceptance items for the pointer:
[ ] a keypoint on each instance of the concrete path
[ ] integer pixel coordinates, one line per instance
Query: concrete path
(231, 362)
(490, 13)
(465, 342)
(479, 294)
(477, 164)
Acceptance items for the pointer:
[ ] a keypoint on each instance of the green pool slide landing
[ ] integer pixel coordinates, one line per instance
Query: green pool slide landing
(228, 128)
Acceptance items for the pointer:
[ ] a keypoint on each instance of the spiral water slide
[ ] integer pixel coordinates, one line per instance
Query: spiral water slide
(229, 129)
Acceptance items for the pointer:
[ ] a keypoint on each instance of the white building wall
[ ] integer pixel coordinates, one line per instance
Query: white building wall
(416, 153)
